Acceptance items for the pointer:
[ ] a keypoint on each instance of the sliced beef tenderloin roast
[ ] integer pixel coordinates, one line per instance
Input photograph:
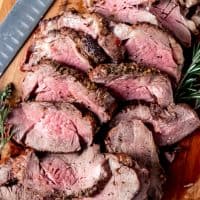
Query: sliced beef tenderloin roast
(92, 24)
(170, 124)
(59, 176)
(129, 81)
(58, 127)
(131, 11)
(133, 138)
(75, 67)
(65, 46)
(150, 46)
(169, 14)
(52, 82)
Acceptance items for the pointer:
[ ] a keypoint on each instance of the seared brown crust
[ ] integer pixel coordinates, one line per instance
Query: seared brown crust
(93, 50)
(19, 164)
(44, 27)
(106, 39)
(110, 71)
(85, 44)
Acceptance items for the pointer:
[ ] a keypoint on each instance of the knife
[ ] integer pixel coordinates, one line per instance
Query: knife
(17, 27)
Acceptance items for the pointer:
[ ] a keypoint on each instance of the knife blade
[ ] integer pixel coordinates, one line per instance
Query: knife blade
(17, 26)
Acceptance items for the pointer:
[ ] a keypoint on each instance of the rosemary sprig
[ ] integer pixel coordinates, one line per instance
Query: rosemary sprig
(188, 89)
(6, 93)
(4, 111)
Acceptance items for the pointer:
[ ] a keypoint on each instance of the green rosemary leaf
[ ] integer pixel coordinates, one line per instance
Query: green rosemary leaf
(7, 92)
(4, 111)
(197, 104)
(188, 89)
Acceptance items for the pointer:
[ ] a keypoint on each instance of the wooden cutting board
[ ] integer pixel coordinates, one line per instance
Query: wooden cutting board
(183, 174)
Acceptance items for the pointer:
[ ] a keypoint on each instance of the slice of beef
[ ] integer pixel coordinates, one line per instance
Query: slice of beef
(129, 81)
(169, 15)
(142, 173)
(58, 127)
(92, 24)
(124, 183)
(130, 11)
(51, 82)
(133, 138)
(150, 46)
(64, 176)
(170, 124)
(65, 46)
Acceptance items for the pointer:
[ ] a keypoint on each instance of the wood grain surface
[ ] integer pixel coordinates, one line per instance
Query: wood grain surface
(183, 174)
